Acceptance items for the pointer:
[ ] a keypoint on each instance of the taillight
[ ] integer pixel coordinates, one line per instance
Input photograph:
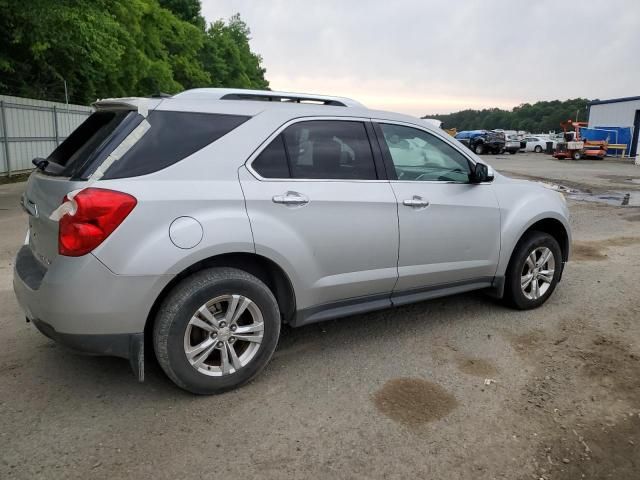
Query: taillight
(91, 216)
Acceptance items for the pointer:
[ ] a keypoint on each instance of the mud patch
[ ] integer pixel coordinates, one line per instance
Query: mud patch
(413, 401)
(527, 342)
(477, 366)
(594, 250)
(585, 394)
(597, 451)
(583, 251)
(610, 364)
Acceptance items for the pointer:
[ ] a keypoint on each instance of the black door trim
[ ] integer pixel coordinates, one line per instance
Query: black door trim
(634, 138)
(369, 303)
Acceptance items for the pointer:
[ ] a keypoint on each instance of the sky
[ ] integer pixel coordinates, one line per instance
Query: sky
(423, 56)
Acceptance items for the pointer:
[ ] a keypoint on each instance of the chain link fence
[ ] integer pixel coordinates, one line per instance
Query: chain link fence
(33, 128)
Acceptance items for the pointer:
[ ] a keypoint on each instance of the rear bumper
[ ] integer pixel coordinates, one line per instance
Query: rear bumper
(124, 345)
(80, 296)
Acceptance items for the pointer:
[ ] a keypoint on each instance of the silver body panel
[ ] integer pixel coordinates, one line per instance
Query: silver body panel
(456, 237)
(342, 244)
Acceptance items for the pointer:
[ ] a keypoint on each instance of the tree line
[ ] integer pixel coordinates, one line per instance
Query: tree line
(115, 48)
(539, 117)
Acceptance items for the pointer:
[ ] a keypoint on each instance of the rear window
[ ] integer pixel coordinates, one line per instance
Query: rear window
(85, 142)
(172, 137)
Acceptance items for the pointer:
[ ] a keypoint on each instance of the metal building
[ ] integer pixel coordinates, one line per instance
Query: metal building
(617, 112)
(33, 128)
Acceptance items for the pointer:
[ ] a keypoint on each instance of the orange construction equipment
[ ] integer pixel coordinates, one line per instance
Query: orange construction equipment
(574, 147)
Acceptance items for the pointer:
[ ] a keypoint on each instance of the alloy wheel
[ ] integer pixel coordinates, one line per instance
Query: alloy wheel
(537, 273)
(224, 335)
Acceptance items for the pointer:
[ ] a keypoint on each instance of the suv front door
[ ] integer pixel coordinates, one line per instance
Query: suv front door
(318, 207)
(449, 228)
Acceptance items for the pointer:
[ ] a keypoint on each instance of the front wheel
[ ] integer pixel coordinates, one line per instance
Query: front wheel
(478, 149)
(576, 155)
(216, 330)
(513, 152)
(533, 272)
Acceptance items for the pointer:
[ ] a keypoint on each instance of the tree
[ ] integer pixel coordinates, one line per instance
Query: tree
(111, 48)
(187, 10)
(538, 117)
(227, 56)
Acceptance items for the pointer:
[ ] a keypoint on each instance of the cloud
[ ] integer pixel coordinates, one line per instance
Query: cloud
(423, 57)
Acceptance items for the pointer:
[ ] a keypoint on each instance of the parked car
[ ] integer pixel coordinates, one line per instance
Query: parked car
(534, 144)
(482, 141)
(512, 144)
(204, 221)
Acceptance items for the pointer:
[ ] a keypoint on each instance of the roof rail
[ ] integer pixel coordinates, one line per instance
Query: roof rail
(268, 96)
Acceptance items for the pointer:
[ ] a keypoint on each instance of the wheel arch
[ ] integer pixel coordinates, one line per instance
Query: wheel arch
(260, 266)
(553, 227)
(544, 223)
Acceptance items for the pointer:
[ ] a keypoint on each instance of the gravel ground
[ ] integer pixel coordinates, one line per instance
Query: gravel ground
(455, 388)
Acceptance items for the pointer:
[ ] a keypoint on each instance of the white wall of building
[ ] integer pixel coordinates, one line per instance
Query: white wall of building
(618, 114)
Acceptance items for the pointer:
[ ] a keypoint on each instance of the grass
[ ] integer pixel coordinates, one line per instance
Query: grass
(15, 178)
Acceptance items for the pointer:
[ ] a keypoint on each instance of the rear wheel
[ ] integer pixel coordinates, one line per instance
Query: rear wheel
(478, 149)
(216, 330)
(576, 155)
(533, 272)
(513, 152)
(538, 149)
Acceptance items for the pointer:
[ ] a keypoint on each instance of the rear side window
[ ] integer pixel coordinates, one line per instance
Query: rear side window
(329, 149)
(172, 137)
(319, 149)
(272, 162)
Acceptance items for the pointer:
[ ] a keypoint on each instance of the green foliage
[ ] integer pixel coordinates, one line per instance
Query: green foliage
(111, 48)
(187, 10)
(537, 118)
(227, 53)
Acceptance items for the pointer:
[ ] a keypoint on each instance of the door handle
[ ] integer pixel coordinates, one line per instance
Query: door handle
(416, 202)
(291, 198)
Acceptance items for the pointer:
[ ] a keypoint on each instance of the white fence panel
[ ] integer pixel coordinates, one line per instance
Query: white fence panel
(33, 128)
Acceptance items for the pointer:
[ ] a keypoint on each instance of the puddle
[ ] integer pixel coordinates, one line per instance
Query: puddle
(618, 199)
(413, 401)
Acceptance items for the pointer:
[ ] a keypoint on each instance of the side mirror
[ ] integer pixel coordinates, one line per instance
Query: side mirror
(481, 173)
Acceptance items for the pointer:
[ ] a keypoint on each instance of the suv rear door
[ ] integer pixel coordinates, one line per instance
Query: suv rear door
(449, 228)
(318, 206)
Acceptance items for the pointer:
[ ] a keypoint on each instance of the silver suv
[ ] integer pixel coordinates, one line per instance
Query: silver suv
(202, 222)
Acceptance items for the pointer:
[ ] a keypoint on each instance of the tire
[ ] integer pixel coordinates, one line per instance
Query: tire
(478, 149)
(178, 328)
(524, 298)
(513, 152)
(576, 155)
(538, 149)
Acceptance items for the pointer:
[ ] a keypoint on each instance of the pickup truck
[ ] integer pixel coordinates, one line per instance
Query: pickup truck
(482, 141)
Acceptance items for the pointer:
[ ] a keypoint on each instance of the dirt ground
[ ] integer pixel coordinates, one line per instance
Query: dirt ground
(455, 388)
